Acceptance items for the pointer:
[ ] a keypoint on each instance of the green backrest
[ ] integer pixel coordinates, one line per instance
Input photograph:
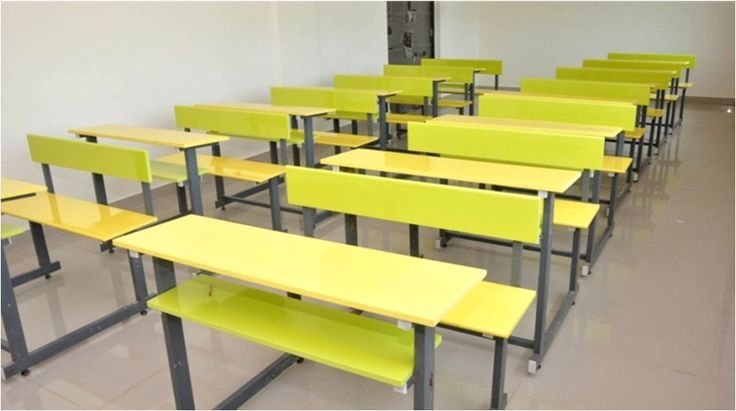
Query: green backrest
(493, 67)
(355, 101)
(453, 74)
(563, 110)
(235, 123)
(409, 86)
(636, 65)
(482, 212)
(508, 145)
(638, 93)
(115, 161)
(690, 59)
(658, 78)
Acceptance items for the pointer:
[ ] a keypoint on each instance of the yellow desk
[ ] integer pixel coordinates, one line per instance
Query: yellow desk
(188, 142)
(405, 288)
(13, 189)
(602, 131)
(292, 111)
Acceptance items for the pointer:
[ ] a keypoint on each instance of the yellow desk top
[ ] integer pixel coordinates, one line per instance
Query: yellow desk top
(81, 217)
(154, 136)
(292, 111)
(572, 128)
(507, 175)
(12, 188)
(405, 288)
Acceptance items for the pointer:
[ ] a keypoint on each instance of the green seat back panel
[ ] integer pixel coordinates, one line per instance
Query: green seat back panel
(493, 67)
(357, 101)
(635, 65)
(558, 109)
(114, 161)
(235, 123)
(659, 78)
(409, 86)
(503, 215)
(546, 149)
(453, 74)
(365, 346)
(690, 59)
(10, 230)
(638, 93)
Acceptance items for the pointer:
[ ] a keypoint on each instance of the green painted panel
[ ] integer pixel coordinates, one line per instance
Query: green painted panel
(659, 78)
(236, 123)
(409, 86)
(580, 88)
(557, 109)
(527, 147)
(635, 65)
(453, 74)
(114, 161)
(372, 348)
(357, 101)
(502, 215)
(492, 67)
(691, 59)
(8, 230)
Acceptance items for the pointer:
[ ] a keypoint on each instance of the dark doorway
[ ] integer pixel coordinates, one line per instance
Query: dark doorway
(410, 31)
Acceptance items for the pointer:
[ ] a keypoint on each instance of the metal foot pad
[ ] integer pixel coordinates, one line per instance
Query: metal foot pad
(586, 270)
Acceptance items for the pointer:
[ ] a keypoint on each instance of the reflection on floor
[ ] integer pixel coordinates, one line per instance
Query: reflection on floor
(653, 326)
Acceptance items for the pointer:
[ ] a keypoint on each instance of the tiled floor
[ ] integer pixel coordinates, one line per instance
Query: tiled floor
(653, 326)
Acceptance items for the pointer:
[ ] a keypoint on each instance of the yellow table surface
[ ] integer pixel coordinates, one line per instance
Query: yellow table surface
(12, 188)
(507, 175)
(153, 136)
(572, 128)
(405, 288)
(292, 111)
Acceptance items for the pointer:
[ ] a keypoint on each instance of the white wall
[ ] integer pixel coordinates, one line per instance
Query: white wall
(73, 64)
(533, 39)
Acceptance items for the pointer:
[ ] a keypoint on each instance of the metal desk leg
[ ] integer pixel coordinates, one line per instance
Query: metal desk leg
(423, 367)
(414, 240)
(498, 396)
(516, 263)
(435, 98)
(273, 192)
(195, 189)
(219, 185)
(45, 266)
(351, 229)
(308, 212)
(545, 255)
(11, 319)
(383, 126)
(590, 253)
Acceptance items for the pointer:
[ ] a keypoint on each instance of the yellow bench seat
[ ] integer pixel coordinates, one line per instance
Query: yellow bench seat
(85, 218)
(616, 164)
(10, 230)
(635, 134)
(685, 85)
(490, 308)
(459, 89)
(172, 172)
(361, 345)
(668, 97)
(655, 112)
(419, 101)
(246, 170)
(574, 214)
(401, 118)
(329, 138)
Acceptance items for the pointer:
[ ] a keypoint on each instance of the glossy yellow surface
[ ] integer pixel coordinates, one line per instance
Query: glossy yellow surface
(401, 287)
(614, 91)
(505, 175)
(655, 112)
(351, 100)
(105, 159)
(235, 123)
(615, 164)
(365, 346)
(659, 79)
(346, 115)
(558, 109)
(491, 67)
(253, 171)
(8, 230)
(509, 145)
(12, 188)
(492, 309)
(81, 217)
(561, 127)
(172, 172)
(290, 110)
(412, 86)
(418, 101)
(453, 74)
(689, 59)
(153, 136)
(635, 134)
(675, 66)
(402, 118)
(574, 214)
(483, 212)
(685, 85)
(335, 139)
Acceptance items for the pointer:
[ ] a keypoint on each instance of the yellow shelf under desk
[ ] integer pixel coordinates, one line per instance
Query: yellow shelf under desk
(405, 288)
(153, 136)
(507, 175)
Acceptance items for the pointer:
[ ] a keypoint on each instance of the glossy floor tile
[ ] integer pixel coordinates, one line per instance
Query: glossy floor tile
(653, 326)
